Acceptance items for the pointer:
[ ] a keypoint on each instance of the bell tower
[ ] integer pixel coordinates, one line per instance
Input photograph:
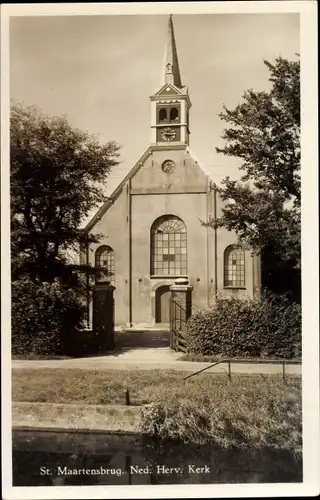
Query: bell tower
(170, 105)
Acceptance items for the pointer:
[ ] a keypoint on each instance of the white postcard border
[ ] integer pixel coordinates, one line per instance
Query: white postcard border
(310, 267)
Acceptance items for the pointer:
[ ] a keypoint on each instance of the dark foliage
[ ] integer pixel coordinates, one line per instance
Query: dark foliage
(263, 208)
(236, 327)
(44, 316)
(58, 175)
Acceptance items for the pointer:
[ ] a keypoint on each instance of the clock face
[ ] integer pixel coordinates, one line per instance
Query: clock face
(168, 134)
(168, 166)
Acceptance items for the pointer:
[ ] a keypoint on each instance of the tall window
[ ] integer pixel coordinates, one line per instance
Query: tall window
(105, 259)
(234, 266)
(169, 246)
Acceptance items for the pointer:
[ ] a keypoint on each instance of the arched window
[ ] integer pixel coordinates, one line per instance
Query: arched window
(169, 246)
(174, 114)
(234, 267)
(105, 259)
(162, 114)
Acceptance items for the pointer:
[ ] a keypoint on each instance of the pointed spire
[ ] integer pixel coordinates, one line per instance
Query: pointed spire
(171, 65)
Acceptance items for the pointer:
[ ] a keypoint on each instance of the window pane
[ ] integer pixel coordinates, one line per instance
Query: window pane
(104, 258)
(168, 241)
(234, 267)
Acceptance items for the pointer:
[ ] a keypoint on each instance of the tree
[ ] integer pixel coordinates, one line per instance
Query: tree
(58, 175)
(263, 208)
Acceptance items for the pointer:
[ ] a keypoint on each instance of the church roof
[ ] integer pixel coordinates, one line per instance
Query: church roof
(171, 72)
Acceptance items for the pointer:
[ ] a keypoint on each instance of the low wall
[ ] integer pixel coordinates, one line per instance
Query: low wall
(113, 418)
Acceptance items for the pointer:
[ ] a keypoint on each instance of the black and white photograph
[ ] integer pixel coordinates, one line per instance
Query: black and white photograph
(160, 255)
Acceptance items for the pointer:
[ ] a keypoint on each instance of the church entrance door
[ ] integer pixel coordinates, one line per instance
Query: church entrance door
(163, 295)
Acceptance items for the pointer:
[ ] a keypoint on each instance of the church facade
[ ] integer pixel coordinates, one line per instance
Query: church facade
(151, 224)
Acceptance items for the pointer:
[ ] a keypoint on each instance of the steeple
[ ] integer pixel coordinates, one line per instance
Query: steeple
(171, 65)
(171, 103)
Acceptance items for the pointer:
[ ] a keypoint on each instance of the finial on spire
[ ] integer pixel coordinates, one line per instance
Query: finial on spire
(171, 65)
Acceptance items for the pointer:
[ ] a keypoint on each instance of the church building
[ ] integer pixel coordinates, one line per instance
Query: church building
(151, 224)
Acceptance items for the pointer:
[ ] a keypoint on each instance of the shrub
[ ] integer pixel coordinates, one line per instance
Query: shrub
(237, 327)
(43, 316)
(254, 413)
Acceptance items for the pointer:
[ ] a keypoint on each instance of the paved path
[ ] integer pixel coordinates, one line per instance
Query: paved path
(148, 350)
(150, 359)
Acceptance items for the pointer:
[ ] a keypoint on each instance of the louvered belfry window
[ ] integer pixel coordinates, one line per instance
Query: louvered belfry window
(169, 247)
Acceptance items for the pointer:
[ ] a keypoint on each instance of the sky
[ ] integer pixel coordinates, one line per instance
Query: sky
(99, 71)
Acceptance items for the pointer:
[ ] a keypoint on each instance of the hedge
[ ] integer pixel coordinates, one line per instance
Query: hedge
(44, 317)
(238, 327)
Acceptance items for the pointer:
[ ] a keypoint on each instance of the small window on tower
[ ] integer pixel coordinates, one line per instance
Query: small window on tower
(174, 114)
(162, 114)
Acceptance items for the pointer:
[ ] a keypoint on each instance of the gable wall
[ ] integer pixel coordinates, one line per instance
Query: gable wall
(145, 210)
(187, 175)
(189, 198)
(114, 225)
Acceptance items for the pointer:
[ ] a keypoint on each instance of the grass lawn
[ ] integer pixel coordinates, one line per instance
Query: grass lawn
(107, 387)
(259, 411)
